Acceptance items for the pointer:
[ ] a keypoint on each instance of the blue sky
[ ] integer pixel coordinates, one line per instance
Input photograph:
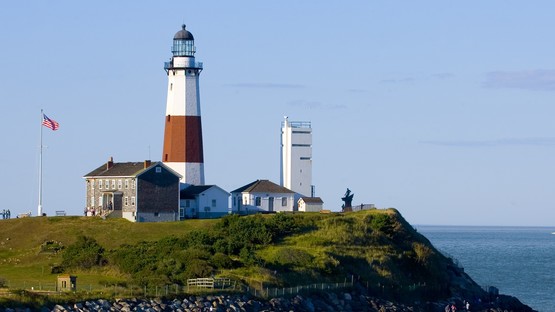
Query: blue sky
(440, 109)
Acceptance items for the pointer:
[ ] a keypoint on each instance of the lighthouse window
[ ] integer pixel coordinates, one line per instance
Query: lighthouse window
(171, 86)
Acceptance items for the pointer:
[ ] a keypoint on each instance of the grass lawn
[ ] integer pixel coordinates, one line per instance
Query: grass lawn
(23, 263)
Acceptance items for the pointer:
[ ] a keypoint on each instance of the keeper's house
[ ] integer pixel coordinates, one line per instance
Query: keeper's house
(262, 196)
(137, 191)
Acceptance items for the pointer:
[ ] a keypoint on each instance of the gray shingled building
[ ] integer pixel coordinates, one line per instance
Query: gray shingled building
(138, 191)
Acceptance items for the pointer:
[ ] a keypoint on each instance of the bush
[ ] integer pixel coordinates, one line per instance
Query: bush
(51, 246)
(85, 254)
(222, 261)
(198, 268)
(382, 223)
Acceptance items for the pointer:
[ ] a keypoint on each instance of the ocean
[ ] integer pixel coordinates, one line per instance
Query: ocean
(519, 261)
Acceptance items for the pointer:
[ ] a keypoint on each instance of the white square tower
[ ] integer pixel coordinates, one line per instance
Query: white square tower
(296, 156)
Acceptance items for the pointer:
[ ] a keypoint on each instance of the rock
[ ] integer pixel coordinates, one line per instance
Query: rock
(347, 296)
(308, 305)
(58, 308)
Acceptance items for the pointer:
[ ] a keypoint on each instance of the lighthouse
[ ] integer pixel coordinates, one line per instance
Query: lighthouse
(183, 150)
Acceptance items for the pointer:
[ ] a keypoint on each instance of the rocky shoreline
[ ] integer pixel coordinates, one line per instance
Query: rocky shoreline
(329, 301)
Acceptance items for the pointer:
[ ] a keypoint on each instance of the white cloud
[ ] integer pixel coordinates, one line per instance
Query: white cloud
(268, 85)
(545, 141)
(541, 79)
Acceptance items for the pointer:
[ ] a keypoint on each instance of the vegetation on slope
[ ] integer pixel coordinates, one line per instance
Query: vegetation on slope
(378, 248)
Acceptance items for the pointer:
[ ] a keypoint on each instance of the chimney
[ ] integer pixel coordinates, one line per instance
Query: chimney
(110, 163)
(147, 164)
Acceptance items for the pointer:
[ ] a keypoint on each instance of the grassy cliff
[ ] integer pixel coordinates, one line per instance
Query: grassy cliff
(378, 249)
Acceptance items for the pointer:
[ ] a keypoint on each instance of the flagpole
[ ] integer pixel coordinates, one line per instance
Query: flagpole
(39, 212)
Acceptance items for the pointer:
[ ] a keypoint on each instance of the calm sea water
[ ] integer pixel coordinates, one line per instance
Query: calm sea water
(520, 261)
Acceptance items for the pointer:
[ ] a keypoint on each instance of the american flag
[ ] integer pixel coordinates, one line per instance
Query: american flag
(50, 123)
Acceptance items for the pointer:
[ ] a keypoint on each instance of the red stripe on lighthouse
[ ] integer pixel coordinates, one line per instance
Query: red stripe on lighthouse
(183, 139)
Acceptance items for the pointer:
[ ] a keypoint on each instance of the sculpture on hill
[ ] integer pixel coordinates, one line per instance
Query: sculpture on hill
(347, 199)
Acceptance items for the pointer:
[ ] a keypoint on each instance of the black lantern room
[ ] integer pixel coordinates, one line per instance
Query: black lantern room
(183, 43)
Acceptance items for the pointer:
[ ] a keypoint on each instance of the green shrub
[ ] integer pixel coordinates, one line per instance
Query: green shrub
(85, 254)
(51, 246)
(382, 223)
(198, 268)
(222, 261)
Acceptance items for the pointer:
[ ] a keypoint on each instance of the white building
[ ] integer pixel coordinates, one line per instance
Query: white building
(296, 157)
(203, 202)
(262, 196)
(310, 204)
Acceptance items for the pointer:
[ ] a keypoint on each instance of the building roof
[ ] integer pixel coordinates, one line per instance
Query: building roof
(312, 200)
(123, 169)
(262, 186)
(183, 34)
(193, 190)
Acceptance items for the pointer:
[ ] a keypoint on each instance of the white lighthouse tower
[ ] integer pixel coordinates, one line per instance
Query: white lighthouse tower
(183, 150)
(296, 156)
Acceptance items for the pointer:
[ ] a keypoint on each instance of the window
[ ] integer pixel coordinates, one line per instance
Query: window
(113, 184)
(182, 212)
(257, 201)
(100, 184)
(156, 214)
(213, 203)
(106, 184)
(284, 201)
(126, 183)
(158, 169)
(133, 184)
(120, 182)
(132, 200)
(126, 200)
